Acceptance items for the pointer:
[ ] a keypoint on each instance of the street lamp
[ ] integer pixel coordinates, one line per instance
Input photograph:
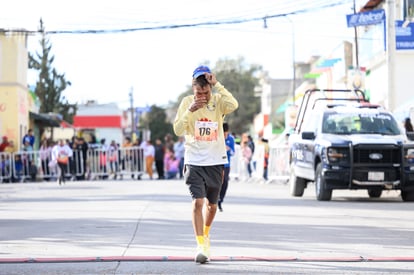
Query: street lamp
(131, 100)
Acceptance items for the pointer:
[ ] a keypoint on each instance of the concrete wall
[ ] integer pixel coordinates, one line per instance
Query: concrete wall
(14, 102)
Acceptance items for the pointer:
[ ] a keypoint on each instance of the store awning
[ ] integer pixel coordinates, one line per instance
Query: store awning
(44, 120)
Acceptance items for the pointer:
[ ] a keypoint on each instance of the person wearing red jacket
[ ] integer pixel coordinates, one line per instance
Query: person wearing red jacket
(4, 144)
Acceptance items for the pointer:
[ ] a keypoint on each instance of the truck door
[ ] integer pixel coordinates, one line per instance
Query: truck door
(305, 147)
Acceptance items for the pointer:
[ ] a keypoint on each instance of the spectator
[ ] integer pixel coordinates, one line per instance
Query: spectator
(247, 139)
(149, 154)
(137, 157)
(172, 166)
(93, 141)
(179, 151)
(113, 158)
(80, 155)
(52, 164)
(4, 144)
(266, 158)
(409, 131)
(29, 169)
(408, 125)
(250, 142)
(18, 168)
(29, 137)
(168, 153)
(45, 153)
(5, 167)
(72, 161)
(247, 156)
(126, 156)
(102, 145)
(159, 158)
(10, 148)
(103, 159)
(168, 141)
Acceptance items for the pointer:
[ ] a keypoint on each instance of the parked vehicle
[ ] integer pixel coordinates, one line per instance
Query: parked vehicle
(341, 141)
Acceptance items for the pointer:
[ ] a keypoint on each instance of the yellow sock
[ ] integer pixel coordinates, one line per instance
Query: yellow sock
(206, 230)
(200, 240)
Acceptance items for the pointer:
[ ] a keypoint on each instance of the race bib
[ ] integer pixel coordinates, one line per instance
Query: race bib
(206, 131)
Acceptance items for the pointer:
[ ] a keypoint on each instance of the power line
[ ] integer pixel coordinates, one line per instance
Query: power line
(239, 20)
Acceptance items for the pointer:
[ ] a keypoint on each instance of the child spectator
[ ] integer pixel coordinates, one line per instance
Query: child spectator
(172, 166)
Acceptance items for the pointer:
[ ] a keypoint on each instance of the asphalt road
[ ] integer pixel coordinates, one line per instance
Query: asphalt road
(144, 227)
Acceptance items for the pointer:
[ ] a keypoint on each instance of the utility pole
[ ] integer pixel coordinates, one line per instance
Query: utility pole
(293, 59)
(391, 52)
(356, 43)
(131, 101)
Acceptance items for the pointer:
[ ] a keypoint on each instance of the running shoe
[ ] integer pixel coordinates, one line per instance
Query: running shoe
(201, 256)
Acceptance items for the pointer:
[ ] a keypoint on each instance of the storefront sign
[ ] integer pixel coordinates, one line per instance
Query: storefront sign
(365, 18)
(404, 35)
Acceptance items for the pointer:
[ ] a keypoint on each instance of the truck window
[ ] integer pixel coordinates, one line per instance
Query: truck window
(310, 122)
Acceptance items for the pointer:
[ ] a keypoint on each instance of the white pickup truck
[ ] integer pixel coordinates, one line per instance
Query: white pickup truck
(341, 141)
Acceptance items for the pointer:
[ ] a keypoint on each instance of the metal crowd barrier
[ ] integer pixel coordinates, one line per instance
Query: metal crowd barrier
(258, 162)
(31, 166)
(96, 164)
(129, 162)
(24, 165)
(6, 167)
(104, 163)
(238, 166)
(277, 168)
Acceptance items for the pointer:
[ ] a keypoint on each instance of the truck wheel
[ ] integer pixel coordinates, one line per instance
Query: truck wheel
(374, 192)
(322, 193)
(297, 185)
(407, 195)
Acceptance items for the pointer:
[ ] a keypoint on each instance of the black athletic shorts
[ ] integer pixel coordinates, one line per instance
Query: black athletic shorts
(204, 181)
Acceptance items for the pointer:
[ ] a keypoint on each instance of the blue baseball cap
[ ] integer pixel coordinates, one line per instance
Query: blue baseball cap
(201, 70)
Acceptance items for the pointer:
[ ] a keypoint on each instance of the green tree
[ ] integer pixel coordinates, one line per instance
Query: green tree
(50, 84)
(240, 79)
(156, 121)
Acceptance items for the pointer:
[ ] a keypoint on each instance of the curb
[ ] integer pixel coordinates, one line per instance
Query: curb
(191, 259)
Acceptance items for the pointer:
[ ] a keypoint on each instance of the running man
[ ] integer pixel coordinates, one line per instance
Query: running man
(200, 118)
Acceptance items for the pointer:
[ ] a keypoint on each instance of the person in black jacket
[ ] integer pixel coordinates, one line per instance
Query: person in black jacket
(159, 158)
(80, 157)
(409, 131)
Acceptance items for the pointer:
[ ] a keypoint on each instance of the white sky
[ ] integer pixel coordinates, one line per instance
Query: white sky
(158, 64)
